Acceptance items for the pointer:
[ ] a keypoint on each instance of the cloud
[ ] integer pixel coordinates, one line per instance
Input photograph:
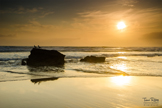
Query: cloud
(45, 14)
(127, 3)
(136, 20)
(35, 23)
(20, 10)
(38, 12)
(154, 37)
(102, 19)
(34, 26)
(144, 4)
(34, 10)
(7, 35)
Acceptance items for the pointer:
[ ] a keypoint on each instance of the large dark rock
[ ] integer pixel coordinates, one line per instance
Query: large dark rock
(42, 57)
(93, 59)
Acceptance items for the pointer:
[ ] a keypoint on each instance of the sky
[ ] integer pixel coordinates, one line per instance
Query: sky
(81, 23)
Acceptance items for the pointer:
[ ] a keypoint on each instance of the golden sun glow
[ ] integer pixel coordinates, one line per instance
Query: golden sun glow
(121, 25)
(121, 80)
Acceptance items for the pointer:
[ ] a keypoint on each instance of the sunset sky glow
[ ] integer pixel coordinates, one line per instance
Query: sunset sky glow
(80, 22)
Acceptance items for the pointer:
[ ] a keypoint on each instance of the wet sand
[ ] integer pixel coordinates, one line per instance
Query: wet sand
(98, 92)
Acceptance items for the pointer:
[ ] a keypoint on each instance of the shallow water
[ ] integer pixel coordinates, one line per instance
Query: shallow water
(127, 61)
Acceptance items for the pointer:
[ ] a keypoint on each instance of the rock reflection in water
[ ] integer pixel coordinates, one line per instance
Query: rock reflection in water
(43, 80)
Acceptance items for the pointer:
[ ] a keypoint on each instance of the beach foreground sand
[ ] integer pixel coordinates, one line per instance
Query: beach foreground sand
(96, 92)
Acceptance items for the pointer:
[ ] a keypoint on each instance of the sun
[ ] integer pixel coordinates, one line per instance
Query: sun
(121, 25)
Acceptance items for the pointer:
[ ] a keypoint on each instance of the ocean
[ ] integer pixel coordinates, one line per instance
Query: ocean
(131, 61)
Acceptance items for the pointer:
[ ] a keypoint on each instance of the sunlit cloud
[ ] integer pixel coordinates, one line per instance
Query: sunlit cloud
(45, 14)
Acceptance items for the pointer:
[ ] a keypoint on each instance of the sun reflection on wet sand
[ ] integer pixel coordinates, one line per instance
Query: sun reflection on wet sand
(121, 80)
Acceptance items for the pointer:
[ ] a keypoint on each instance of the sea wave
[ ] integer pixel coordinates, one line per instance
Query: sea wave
(81, 49)
(9, 59)
(128, 54)
(76, 59)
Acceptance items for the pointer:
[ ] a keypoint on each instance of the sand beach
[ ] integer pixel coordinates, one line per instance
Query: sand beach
(83, 92)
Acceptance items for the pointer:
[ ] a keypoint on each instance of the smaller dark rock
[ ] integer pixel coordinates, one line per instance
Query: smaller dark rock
(24, 61)
(93, 59)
